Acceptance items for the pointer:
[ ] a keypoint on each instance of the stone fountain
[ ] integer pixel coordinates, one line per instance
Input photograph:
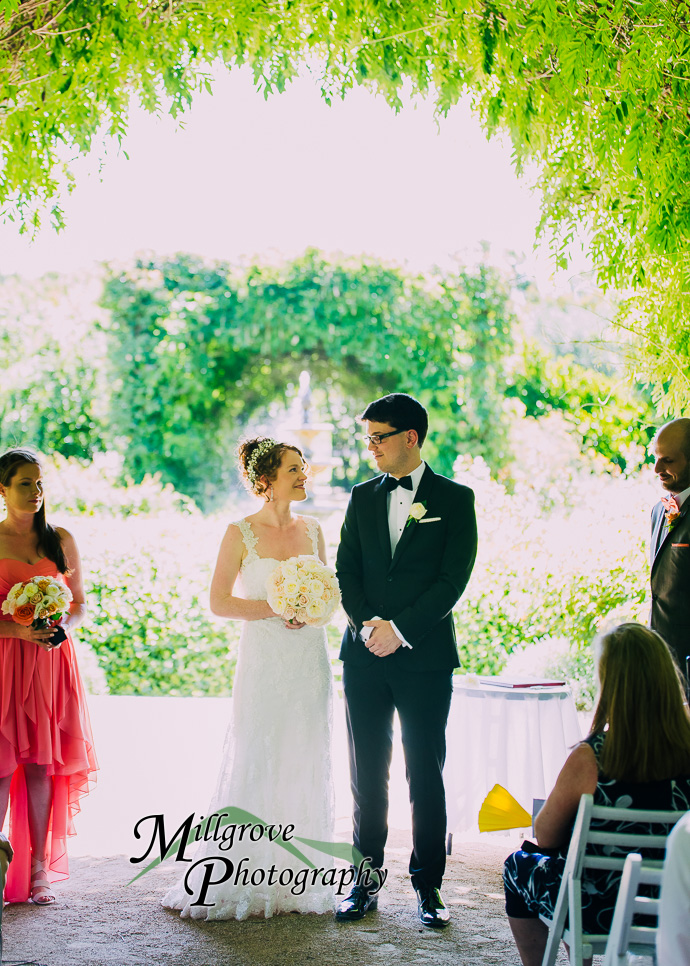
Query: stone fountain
(315, 439)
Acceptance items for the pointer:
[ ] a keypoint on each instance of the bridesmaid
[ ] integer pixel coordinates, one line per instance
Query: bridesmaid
(46, 750)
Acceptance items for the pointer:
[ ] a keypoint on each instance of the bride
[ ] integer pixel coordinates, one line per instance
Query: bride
(276, 764)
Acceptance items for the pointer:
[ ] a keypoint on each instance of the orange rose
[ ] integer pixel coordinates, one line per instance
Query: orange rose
(24, 615)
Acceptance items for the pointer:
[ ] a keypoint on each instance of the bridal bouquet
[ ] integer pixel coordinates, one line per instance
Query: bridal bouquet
(303, 590)
(38, 603)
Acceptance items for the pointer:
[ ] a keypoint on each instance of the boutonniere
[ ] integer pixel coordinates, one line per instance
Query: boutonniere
(417, 511)
(672, 511)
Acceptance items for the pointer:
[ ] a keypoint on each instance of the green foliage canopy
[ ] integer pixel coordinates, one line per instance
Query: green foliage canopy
(611, 418)
(595, 92)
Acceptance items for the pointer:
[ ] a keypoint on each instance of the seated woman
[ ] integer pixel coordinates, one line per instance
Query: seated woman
(636, 756)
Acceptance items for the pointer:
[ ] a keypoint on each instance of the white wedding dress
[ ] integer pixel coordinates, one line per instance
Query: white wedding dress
(276, 762)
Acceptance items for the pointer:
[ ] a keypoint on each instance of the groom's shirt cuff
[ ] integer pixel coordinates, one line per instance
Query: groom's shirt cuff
(398, 634)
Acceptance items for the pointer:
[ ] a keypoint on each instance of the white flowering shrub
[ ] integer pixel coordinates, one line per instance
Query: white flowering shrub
(553, 564)
(92, 488)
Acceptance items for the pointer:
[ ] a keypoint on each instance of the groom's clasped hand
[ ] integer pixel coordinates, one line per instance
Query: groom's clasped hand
(383, 640)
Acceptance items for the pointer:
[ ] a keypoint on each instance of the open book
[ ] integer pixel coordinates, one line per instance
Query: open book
(521, 682)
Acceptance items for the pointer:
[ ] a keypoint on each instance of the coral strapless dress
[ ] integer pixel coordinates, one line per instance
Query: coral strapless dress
(44, 721)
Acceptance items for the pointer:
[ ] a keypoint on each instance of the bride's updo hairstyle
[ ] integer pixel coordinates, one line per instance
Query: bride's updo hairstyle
(48, 538)
(260, 459)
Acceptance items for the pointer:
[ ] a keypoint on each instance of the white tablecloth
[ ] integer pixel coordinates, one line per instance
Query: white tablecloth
(518, 738)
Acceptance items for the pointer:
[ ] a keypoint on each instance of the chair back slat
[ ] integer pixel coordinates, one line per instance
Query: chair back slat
(614, 862)
(651, 873)
(603, 862)
(641, 936)
(609, 812)
(630, 840)
(646, 906)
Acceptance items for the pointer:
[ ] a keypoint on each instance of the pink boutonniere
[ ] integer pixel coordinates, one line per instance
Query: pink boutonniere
(672, 511)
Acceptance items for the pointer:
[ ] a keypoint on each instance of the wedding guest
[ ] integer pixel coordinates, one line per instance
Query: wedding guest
(637, 752)
(46, 749)
(673, 938)
(670, 544)
(407, 549)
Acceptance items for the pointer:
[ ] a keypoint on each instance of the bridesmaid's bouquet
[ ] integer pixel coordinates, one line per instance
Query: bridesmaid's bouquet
(39, 603)
(303, 590)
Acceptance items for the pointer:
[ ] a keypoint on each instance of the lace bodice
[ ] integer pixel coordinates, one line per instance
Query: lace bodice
(255, 570)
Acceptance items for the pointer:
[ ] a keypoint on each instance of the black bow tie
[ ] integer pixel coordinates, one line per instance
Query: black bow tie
(392, 484)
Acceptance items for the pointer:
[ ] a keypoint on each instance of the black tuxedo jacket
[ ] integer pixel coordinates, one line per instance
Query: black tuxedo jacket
(670, 580)
(416, 588)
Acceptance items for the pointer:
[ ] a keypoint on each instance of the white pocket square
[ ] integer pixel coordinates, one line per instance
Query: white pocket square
(429, 520)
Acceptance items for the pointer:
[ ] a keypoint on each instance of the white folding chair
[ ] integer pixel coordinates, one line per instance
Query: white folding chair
(569, 901)
(624, 937)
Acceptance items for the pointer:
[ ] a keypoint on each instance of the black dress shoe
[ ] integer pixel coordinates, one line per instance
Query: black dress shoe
(431, 908)
(356, 905)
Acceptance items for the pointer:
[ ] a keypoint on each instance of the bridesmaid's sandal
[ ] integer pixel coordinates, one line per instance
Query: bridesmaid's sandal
(41, 894)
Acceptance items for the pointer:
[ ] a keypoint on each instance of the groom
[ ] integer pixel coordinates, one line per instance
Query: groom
(407, 549)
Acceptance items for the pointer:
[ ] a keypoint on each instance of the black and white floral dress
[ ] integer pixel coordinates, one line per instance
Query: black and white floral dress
(532, 879)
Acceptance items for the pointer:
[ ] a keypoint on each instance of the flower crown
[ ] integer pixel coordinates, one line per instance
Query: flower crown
(265, 446)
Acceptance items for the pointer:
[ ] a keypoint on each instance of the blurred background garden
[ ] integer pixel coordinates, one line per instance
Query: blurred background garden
(137, 381)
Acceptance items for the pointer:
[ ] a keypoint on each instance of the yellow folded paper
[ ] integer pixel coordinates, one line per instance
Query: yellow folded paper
(501, 811)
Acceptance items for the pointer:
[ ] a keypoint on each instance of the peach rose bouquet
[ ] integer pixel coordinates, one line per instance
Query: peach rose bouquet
(303, 590)
(39, 603)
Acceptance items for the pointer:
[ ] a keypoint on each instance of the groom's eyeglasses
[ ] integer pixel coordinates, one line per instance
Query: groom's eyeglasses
(376, 439)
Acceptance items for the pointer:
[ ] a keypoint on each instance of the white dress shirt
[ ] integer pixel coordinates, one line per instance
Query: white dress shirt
(399, 502)
(682, 496)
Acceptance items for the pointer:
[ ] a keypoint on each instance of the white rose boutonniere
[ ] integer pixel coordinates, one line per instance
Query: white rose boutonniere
(417, 511)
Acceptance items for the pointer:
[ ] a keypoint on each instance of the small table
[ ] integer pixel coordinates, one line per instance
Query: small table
(516, 737)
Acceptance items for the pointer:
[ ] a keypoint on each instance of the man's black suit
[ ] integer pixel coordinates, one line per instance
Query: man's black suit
(670, 581)
(416, 588)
